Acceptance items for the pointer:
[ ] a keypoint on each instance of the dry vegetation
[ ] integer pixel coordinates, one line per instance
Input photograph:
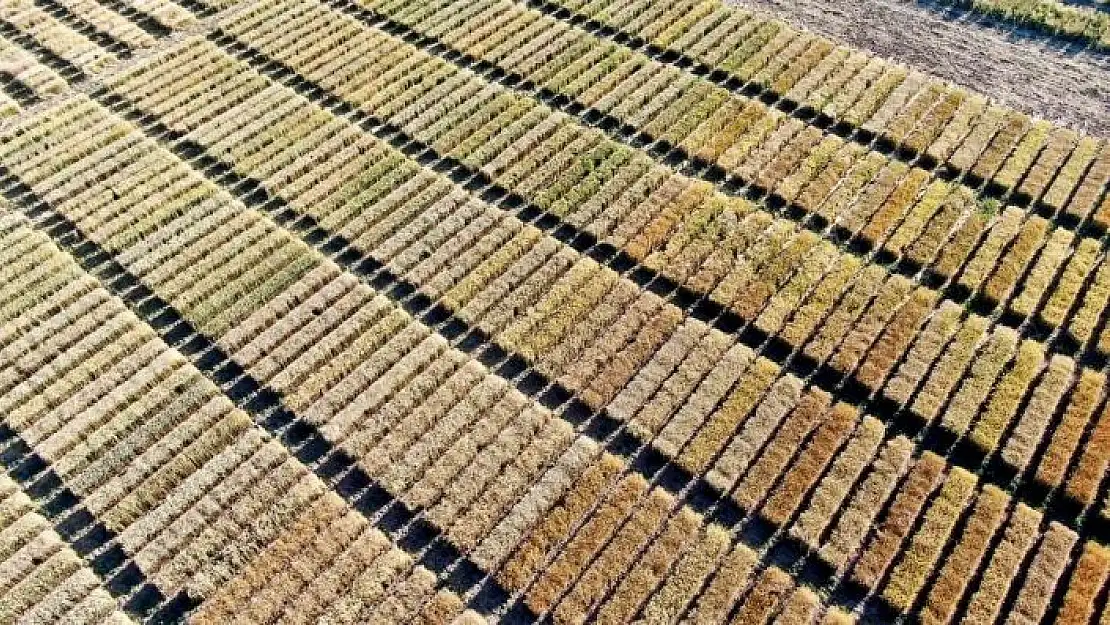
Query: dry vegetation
(804, 392)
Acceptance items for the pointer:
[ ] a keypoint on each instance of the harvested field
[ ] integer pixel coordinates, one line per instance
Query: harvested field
(465, 311)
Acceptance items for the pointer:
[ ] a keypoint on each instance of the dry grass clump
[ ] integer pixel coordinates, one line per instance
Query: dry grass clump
(1084, 322)
(583, 372)
(505, 486)
(950, 235)
(827, 179)
(571, 561)
(918, 218)
(974, 542)
(839, 321)
(845, 86)
(608, 569)
(877, 102)
(976, 141)
(653, 567)
(1031, 427)
(859, 209)
(1043, 573)
(1003, 404)
(311, 540)
(686, 421)
(642, 388)
(746, 408)
(1013, 128)
(780, 449)
(786, 158)
(834, 487)
(995, 354)
(1013, 263)
(896, 207)
(810, 464)
(1087, 579)
(650, 326)
(530, 510)
(938, 119)
(1085, 197)
(808, 169)
(1017, 538)
(421, 414)
(1081, 263)
(1039, 278)
(924, 549)
(892, 531)
(532, 554)
(952, 136)
(1063, 445)
(770, 589)
(1001, 232)
(892, 317)
(43, 579)
(698, 562)
(571, 297)
(1085, 479)
(802, 606)
(1061, 144)
(949, 369)
(928, 343)
(691, 375)
(792, 294)
(729, 580)
(1031, 147)
(910, 116)
(773, 272)
(847, 535)
(821, 74)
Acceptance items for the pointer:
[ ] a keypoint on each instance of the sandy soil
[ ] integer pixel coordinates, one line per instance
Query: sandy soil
(1046, 77)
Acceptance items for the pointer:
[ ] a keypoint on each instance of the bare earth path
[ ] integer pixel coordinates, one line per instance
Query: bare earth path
(1047, 78)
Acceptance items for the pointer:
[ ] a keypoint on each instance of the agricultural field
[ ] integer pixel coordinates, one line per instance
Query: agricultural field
(520, 311)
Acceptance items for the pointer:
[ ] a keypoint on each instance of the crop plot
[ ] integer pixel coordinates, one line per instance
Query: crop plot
(481, 310)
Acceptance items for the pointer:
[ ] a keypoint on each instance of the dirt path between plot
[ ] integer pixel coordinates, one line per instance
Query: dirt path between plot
(1041, 76)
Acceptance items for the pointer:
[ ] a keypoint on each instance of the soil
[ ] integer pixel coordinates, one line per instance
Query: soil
(1045, 76)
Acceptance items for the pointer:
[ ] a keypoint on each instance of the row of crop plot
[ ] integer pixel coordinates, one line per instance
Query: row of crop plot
(515, 487)
(263, 161)
(81, 38)
(895, 208)
(904, 212)
(862, 321)
(1088, 23)
(825, 78)
(541, 298)
(199, 499)
(908, 109)
(494, 253)
(25, 77)
(44, 580)
(78, 52)
(925, 351)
